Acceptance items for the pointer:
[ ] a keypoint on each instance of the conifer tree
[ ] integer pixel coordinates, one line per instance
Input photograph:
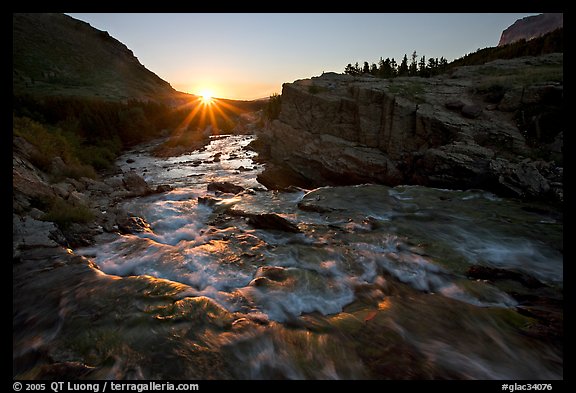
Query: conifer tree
(403, 68)
(366, 68)
(413, 69)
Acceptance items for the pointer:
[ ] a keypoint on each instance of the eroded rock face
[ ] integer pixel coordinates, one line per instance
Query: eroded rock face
(445, 131)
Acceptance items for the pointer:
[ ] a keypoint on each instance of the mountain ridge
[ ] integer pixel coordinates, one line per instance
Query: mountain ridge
(531, 27)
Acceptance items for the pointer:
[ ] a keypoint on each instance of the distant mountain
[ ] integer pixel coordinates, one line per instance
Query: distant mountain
(55, 54)
(531, 27)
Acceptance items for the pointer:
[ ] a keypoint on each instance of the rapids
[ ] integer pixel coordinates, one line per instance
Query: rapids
(375, 283)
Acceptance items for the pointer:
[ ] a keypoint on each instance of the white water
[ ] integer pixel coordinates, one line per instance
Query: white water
(279, 276)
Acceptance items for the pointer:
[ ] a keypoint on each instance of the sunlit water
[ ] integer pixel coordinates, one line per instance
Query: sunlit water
(374, 286)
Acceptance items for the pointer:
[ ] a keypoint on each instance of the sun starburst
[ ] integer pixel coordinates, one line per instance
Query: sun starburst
(206, 97)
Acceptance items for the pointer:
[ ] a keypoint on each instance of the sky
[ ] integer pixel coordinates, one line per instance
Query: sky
(248, 56)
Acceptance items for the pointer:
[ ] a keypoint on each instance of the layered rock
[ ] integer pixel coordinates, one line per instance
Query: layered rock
(449, 131)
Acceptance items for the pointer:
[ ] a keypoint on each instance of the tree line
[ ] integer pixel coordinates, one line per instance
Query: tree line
(551, 42)
(389, 68)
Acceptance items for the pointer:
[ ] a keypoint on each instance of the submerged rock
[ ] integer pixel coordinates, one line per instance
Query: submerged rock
(490, 273)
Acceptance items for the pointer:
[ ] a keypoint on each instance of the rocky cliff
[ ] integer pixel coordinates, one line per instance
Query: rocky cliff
(531, 27)
(54, 54)
(496, 126)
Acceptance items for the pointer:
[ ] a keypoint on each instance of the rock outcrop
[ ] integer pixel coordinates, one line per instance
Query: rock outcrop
(493, 127)
(531, 27)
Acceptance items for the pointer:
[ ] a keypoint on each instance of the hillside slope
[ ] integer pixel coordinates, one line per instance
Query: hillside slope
(54, 54)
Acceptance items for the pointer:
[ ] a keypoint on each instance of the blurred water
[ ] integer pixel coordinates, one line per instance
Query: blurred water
(359, 260)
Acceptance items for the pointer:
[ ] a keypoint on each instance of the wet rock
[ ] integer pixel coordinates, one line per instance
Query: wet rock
(241, 168)
(225, 187)
(274, 273)
(132, 224)
(272, 221)
(65, 370)
(163, 188)
(492, 274)
(208, 200)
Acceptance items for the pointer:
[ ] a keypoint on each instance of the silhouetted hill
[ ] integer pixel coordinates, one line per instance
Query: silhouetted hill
(54, 54)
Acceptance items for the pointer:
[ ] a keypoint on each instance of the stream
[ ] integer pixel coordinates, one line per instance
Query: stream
(356, 282)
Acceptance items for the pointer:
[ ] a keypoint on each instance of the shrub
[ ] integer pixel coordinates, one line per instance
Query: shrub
(273, 106)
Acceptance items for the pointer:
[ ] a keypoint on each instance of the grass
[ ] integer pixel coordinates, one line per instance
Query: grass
(64, 213)
(410, 89)
(521, 76)
(51, 142)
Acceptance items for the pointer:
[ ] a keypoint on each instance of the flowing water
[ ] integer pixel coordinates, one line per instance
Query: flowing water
(372, 284)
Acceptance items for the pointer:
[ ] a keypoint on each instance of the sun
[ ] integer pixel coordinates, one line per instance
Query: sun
(206, 96)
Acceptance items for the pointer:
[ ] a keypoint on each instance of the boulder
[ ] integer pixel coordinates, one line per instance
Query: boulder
(135, 184)
(225, 187)
(132, 224)
(272, 221)
(163, 188)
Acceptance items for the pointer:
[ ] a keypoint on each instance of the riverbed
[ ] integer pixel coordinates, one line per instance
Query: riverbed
(356, 282)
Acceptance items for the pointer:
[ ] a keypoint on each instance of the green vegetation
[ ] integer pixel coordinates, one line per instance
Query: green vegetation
(412, 90)
(52, 142)
(64, 213)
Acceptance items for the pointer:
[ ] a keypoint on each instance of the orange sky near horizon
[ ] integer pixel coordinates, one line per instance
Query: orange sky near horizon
(228, 89)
